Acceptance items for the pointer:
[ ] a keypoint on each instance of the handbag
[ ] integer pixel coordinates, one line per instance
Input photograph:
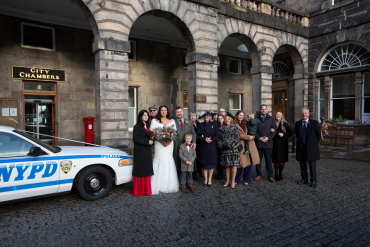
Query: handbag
(240, 147)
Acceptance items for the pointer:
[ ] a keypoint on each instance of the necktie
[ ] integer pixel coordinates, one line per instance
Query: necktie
(188, 145)
(304, 132)
(181, 124)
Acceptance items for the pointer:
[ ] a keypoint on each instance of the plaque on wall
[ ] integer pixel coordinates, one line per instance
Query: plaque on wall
(39, 74)
(9, 112)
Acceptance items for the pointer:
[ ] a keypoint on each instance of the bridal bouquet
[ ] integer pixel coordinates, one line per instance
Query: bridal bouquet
(165, 133)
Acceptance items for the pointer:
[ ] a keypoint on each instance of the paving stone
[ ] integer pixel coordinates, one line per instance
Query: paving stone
(283, 213)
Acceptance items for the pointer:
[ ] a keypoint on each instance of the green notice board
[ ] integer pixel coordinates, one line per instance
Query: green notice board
(9, 112)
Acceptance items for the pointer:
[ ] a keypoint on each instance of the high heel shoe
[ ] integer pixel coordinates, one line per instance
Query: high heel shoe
(233, 187)
(226, 184)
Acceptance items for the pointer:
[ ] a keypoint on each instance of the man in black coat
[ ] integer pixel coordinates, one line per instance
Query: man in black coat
(308, 136)
(264, 142)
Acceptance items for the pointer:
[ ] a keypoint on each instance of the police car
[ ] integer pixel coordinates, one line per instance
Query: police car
(32, 168)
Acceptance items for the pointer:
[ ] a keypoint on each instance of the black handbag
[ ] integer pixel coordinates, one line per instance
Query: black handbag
(240, 147)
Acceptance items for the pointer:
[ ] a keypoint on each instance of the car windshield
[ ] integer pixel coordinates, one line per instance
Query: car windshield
(54, 149)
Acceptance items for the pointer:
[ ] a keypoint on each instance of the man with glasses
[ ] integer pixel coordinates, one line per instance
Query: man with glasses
(152, 112)
(222, 112)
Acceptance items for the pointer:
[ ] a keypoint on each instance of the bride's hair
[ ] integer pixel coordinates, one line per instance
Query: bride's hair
(159, 113)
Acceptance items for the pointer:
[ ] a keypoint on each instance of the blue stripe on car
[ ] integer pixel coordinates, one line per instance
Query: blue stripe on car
(35, 185)
(73, 157)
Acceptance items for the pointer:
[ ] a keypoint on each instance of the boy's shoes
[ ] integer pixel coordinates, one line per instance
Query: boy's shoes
(184, 190)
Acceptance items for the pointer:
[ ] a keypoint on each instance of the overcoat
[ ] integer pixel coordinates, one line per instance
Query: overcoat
(281, 148)
(313, 138)
(143, 166)
(186, 155)
(180, 139)
(207, 151)
(245, 159)
(229, 139)
(264, 129)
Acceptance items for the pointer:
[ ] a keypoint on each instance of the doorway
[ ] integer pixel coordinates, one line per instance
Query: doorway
(279, 102)
(39, 117)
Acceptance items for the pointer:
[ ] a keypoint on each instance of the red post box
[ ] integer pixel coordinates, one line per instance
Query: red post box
(89, 129)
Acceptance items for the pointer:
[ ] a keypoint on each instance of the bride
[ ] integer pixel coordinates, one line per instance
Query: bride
(164, 179)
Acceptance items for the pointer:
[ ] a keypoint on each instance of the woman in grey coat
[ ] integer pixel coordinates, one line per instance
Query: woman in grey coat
(228, 144)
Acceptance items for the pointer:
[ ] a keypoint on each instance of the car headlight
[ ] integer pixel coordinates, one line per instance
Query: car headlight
(125, 162)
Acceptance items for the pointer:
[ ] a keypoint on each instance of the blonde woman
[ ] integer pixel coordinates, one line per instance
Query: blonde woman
(280, 150)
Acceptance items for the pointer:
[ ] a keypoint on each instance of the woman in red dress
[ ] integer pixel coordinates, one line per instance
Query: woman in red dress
(143, 166)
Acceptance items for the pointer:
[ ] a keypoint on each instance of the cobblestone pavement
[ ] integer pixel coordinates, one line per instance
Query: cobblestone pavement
(336, 213)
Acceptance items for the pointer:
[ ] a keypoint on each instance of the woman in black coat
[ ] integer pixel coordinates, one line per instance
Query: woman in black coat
(280, 150)
(207, 135)
(143, 166)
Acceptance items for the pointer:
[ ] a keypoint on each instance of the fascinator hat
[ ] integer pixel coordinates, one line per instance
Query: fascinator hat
(205, 113)
(230, 115)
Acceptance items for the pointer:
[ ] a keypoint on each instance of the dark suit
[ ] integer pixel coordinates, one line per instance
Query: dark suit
(265, 148)
(143, 166)
(180, 139)
(308, 147)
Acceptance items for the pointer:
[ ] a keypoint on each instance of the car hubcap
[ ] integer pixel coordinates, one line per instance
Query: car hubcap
(94, 183)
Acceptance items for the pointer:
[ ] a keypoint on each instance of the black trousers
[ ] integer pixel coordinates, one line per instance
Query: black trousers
(303, 165)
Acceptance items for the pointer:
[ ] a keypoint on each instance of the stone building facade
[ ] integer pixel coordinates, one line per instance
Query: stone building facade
(124, 56)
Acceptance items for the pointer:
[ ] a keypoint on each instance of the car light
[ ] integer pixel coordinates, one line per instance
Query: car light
(124, 162)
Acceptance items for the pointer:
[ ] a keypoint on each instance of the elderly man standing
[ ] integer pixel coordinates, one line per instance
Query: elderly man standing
(152, 112)
(308, 135)
(264, 142)
(183, 126)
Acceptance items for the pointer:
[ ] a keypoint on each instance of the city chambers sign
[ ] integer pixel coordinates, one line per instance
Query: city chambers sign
(38, 74)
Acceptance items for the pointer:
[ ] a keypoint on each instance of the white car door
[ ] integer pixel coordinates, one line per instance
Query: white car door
(23, 176)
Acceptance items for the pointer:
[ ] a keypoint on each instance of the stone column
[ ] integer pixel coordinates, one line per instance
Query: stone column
(262, 87)
(111, 66)
(327, 99)
(202, 82)
(301, 94)
(358, 97)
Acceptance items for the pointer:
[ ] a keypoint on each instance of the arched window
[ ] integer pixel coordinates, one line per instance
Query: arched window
(280, 70)
(345, 56)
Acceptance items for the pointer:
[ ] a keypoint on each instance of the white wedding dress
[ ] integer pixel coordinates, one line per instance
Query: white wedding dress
(164, 179)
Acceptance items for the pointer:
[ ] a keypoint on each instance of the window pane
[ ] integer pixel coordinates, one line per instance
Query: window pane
(11, 146)
(234, 101)
(38, 37)
(343, 86)
(234, 66)
(367, 105)
(322, 89)
(367, 84)
(278, 98)
(321, 109)
(38, 87)
(185, 100)
(344, 107)
(131, 97)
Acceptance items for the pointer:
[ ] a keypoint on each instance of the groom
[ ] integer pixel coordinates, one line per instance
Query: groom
(183, 126)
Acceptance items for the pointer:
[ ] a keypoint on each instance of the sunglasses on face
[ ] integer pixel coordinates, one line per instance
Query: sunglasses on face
(152, 110)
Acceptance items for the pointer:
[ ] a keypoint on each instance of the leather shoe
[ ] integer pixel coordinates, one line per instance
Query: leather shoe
(257, 178)
(184, 190)
(192, 189)
(313, 184)
(271, 179)
(303, 181)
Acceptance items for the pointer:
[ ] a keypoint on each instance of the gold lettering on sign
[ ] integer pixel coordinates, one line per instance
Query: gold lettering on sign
(39, 87)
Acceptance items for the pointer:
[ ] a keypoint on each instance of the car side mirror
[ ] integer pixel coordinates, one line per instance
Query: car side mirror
(35, 151)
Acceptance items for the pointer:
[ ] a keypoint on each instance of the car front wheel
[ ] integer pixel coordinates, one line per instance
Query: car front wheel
(93, 183)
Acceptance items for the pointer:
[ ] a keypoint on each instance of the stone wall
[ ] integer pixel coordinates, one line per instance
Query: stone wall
(73, 54)
(229, 83)
(159, 74)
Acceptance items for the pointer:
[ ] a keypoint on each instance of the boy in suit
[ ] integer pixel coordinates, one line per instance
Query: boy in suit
(187, 156)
